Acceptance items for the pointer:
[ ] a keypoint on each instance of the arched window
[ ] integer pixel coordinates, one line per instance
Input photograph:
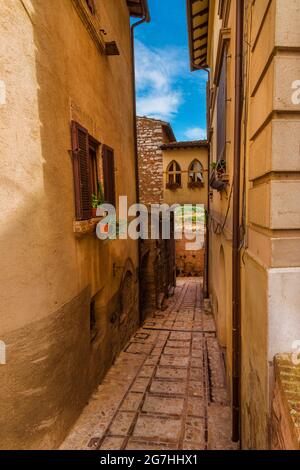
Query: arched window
(196, 172)
(173, 174)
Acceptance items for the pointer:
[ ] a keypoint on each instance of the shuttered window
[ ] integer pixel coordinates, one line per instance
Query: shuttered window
(81, 164)
(109, 175)
(84, 150)
(221, 111)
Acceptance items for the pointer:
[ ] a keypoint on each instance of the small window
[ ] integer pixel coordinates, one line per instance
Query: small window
(173, 175)
(196, 172)
(85, 168)
(91, 6)
(221, 111)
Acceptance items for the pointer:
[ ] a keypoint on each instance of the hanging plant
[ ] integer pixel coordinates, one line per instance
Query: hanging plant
(219, 178)
(173, 186)
(97, 199)
(195, 184)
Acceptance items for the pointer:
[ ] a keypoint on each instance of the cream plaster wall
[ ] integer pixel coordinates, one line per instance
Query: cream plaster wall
(270, 255)
(53, 73)
(184, 157)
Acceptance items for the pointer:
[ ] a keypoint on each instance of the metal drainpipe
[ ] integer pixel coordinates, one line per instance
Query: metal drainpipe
(236, 274)
(145, 19)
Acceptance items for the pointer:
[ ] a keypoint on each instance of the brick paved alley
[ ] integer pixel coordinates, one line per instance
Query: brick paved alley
(167, 389)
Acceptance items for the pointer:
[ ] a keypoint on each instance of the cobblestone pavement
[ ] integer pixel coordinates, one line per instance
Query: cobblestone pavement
(167, 389)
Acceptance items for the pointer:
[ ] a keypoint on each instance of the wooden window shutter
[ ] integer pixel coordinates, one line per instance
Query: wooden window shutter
(81, 168)
(221, 111)
(109, 175)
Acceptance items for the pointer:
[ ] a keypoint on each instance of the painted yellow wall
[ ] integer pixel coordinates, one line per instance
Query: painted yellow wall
(53, 72)
(220, 273)
(270, 265)
(185, 157)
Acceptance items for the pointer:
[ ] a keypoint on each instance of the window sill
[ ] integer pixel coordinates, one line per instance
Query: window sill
(195, 185)
(173, 187)
(85, 227)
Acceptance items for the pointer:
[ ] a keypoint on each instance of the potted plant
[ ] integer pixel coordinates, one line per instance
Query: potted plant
(195, 184)
(97, 200)
(173, 186)
(219, 179)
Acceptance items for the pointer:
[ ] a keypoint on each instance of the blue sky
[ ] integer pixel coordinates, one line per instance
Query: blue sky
(166, 89)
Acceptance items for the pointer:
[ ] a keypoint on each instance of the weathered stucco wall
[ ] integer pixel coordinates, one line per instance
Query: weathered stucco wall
(53, 72)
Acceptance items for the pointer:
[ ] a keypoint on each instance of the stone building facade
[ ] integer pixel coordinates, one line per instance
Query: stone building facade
(69, 301)
(189, 263)
(152, 134)
(191, 159)
(269, 214)
(157, 265)
(158, 150)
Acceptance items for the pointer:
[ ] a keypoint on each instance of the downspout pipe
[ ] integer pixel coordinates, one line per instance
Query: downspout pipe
(145, 19)
(236, 267)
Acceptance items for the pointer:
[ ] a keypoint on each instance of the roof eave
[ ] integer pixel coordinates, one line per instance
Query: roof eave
(139, 9)
(185, 144)
(203, 34)
(170, 132)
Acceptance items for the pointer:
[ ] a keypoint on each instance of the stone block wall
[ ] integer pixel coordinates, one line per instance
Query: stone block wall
(150, 138)
(157, 256)
(189, 262)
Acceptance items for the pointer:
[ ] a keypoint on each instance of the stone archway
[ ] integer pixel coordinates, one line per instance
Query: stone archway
(128, 308)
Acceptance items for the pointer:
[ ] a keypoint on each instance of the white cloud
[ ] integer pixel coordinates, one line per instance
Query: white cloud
(157, 71)
(159, 106)
(196, 133)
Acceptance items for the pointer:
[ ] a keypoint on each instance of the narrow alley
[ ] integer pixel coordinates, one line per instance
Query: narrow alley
(166, 390)
(150, 264)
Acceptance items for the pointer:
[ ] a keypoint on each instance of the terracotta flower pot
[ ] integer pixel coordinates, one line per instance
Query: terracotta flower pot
(94, 212)
(105, 228)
